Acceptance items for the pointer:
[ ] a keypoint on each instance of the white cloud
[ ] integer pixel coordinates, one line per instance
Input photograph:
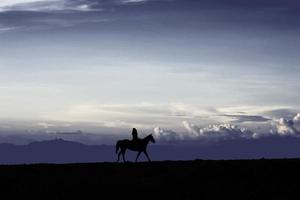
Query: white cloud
(187, 110)
(45, 125)
(191, 128)
(44, 5)
(166, 135)
(6, 28)
(296, 119)
(287, 126)
(32, 5)
(6, 3)
(127, 115)
(56, 5)
(140, 115)
(123, 124)
(194, 132)
(226, 131)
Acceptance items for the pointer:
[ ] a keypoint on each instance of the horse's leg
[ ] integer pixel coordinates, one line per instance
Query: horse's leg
(145, 152)
(137, 156)
(123, 155)
(119, 154)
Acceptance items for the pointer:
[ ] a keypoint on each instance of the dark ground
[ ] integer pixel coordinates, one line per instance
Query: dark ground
(199, 179)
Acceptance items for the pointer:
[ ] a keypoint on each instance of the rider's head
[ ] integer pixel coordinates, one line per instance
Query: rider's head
(134, 133)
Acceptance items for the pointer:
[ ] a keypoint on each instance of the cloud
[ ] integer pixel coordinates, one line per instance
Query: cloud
(191, 128)
(166, 135)
(133, 1)
(46, 5)
(142, 114)
(62, 5)
(296, 119)
(45, 125)
(281, 112)
(68, 22)
(187, 110)
(247, 118)
(224, 131)
(147, 115)
(5, 3)
(78, 132)
(240, 114)
(286, 126)
(4, 28)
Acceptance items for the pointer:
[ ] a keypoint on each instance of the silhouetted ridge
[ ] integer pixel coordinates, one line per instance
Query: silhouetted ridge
(62, 151)
(56, 142)
(54, 151)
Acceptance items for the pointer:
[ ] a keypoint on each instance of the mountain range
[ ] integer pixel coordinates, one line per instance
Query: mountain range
(62, 151)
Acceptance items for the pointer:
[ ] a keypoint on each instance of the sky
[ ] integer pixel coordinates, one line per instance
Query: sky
(91, 70)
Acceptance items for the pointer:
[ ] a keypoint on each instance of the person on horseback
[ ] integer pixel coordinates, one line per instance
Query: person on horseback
(136, 144)
(134, 134)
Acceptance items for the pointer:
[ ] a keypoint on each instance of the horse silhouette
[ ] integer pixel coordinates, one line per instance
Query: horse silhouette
(139, 145)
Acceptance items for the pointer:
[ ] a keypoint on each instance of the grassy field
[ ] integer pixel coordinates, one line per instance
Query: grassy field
(198, 179)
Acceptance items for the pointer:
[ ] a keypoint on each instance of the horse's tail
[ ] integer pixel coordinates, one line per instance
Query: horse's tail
(117, 147)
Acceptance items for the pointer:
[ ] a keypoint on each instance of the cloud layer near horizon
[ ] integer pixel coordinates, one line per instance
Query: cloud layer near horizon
(282, 127)
(97, 133)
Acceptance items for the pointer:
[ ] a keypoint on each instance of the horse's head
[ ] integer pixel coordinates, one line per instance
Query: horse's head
(151, 138)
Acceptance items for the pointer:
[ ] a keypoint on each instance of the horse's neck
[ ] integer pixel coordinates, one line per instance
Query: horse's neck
(146, 140)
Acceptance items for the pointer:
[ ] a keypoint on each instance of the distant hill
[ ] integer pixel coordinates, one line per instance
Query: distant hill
(54, 151)
(62, 151)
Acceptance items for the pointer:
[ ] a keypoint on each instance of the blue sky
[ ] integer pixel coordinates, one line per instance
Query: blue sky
(160, 65)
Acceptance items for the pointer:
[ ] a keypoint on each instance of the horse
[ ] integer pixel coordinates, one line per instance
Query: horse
(139, 145)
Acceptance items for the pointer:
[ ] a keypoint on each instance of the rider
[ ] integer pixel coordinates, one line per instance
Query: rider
(134, 135)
